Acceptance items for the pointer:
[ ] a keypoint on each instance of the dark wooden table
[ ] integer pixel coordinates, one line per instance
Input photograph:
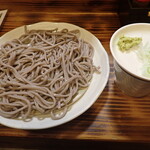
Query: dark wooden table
(114, 120)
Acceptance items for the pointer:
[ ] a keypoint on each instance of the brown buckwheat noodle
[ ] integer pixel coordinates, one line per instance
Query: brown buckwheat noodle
(42, 71)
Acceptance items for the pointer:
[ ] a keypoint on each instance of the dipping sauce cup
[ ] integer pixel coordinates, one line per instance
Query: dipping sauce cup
(128, 66)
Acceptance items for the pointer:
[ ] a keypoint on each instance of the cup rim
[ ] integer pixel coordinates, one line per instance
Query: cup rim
(131, 74)
(113, 54)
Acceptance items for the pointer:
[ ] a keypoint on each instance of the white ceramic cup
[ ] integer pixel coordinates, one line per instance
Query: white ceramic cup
(127, 67)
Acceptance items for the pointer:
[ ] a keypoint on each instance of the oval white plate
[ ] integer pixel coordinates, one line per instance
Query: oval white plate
(129, 61)
(97, 84)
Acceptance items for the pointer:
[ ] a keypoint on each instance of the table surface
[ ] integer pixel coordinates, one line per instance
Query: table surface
(114, 116)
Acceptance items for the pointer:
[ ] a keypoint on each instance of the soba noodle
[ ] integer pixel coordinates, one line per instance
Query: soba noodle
(42, 71)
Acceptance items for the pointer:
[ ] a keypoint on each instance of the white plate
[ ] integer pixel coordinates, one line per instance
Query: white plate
(130, 61)
(97, 85)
